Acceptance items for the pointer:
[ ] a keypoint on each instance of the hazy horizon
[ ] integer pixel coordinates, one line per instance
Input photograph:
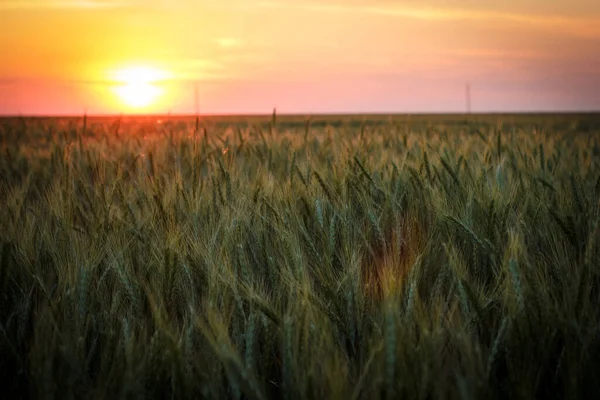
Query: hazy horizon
(268, 113)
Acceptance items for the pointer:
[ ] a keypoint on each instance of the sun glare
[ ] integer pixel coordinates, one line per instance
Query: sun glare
(139, 86)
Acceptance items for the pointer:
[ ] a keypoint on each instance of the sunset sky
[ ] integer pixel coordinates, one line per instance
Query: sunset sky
(304, 56)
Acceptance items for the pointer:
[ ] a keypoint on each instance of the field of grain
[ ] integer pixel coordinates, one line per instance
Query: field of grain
(334, 257)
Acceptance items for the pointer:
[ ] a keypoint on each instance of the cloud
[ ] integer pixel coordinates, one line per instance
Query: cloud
(82, 4)
(579, 26)
(501, 54)
(582, 25)
(228, 42)
(50, 4)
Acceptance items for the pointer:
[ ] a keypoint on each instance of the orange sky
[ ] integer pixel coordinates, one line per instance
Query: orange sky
(60, 56)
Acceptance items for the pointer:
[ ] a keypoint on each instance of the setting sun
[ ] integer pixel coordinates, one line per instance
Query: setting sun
(138, 86)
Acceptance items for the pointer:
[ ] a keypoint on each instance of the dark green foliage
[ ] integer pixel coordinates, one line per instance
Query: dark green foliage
(286, 257)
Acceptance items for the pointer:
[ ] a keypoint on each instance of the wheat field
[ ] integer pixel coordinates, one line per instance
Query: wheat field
(336, 257)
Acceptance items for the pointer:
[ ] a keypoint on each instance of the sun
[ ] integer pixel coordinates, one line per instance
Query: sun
(138, 86)
(138, 95)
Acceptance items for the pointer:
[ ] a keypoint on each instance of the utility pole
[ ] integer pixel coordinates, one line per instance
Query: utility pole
(468, 97)
(196, 99)
(197, 106)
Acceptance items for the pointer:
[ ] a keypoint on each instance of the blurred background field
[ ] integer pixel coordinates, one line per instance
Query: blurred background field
(403, 256)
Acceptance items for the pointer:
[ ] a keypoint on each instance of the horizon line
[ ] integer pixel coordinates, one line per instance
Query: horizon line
(305, 114)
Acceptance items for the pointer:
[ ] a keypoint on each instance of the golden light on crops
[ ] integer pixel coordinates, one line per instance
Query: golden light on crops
(139, 87)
